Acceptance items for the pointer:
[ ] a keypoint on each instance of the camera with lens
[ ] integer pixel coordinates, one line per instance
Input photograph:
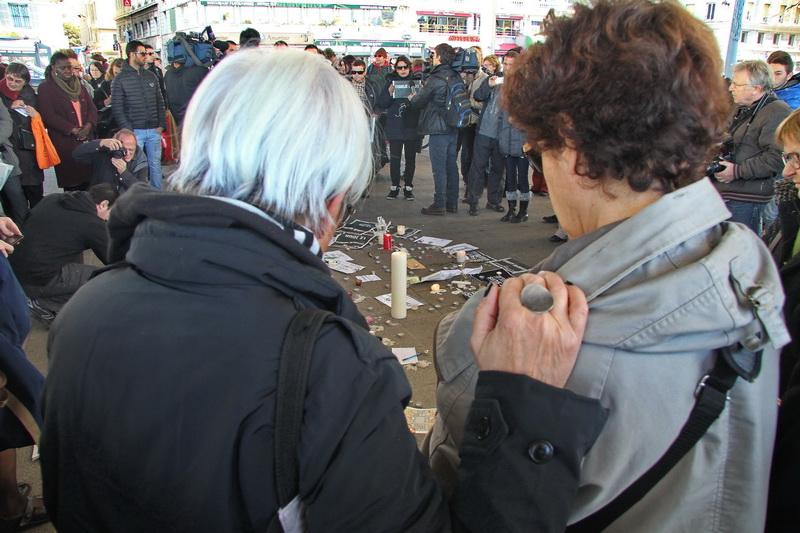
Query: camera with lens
(116, 154)
(726, 156)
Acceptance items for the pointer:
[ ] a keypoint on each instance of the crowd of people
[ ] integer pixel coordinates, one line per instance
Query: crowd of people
(654, 375)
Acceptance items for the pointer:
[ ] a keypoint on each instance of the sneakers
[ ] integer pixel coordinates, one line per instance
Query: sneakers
(495, 207)
(433, 209)
(552, 219)
(394, 192)
(408, 192)
(40, 313)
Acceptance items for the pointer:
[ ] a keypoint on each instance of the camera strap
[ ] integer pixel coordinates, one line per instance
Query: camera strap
(744, 114)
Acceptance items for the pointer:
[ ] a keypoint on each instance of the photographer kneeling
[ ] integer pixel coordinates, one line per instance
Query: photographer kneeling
(117, 161)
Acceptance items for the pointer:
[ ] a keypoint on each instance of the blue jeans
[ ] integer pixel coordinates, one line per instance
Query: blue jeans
(150, 142)
(747, 213)
(442, 150)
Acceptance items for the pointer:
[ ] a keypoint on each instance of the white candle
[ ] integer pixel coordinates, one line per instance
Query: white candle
(461, 256)
(401, 230)
(399, 263)
(435, 287)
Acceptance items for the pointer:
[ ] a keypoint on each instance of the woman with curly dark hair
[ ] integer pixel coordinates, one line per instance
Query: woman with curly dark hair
(623, 103)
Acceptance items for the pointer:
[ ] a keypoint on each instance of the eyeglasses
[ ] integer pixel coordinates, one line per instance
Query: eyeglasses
(739, 84)
(792, 158)
(151, 53)
(142, 53)
(534, 160)
(357, 72)
(401, 67)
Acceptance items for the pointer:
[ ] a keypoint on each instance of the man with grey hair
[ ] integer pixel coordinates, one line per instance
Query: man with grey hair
(754, 158)
(181, 343)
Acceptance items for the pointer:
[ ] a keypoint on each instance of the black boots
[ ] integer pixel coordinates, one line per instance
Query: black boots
(522, 216)
(512, 208)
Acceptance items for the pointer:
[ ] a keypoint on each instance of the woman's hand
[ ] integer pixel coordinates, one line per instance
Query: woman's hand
(391, 89)
(84, 131)
(16, 104)
(508, 337)
(7, 229)
(31, 111)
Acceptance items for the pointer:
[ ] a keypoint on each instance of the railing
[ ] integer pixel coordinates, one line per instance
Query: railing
(442, 28)
(509, 32)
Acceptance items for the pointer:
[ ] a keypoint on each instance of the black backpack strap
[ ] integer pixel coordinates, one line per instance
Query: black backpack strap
(298, 345)
(711, 394)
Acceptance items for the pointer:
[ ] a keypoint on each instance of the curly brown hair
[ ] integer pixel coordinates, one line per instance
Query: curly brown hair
(634, 86)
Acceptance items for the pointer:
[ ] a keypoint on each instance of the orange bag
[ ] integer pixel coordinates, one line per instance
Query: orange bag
(46, 154)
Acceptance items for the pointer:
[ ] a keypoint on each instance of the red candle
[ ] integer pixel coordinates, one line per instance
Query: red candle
(387, 241)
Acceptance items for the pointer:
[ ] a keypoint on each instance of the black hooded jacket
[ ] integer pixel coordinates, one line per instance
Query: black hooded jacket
(401, 117)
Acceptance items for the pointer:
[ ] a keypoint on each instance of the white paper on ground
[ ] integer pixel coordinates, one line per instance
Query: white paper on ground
(433, 241)
(443, 275)
(459, 248)
(345, 267)
(387, 300)
(406, 356)
(368, 277)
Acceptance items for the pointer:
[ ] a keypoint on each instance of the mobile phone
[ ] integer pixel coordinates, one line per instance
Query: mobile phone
(13, 240)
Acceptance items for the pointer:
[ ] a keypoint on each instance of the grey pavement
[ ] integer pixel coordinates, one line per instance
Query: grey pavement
(525, 242)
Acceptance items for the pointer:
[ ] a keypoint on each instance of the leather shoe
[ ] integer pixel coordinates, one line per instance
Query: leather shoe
(496, 207)
(433, 209)
(556, 238)
(452, 208)
(552, 219)
(473, 210)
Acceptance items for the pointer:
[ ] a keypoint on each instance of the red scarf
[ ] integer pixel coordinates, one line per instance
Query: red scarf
(14, 95)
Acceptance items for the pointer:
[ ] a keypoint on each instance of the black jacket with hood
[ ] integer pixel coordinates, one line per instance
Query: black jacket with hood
(59, 228)
(432, 100)
(401, 117)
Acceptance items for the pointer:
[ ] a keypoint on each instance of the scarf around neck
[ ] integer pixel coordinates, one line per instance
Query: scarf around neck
(13, 95)
(73, 88)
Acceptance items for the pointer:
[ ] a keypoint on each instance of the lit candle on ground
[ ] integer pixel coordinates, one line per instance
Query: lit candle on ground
(399, 263)
(435, 287)
(461, 256)
(401, 230)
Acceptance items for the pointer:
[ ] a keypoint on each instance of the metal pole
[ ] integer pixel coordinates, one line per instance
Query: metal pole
(733, 39)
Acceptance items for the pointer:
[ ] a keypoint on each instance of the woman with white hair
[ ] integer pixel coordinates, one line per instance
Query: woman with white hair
(161, 395)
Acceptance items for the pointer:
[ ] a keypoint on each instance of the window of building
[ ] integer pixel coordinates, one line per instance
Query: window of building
(776, 39)
(506, 27)
(436, 24)
(710, 11)
(744, 37)
(791, 40)
(766, 13)
(19, 15)
(760, 39)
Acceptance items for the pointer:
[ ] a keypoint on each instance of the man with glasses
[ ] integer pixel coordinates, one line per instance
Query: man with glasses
(365, 88)
(380, 68)
(151, 66)
(117, 161)
(138, 105)
(746, 183)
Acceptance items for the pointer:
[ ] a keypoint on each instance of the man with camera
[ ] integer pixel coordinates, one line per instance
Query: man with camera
(746, 181)
(117, 161)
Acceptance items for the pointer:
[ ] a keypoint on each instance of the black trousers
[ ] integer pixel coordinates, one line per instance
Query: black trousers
(396, 149)
(466, 142)
(486, 155)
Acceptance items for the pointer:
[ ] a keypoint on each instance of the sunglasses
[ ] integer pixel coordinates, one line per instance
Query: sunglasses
(534, 160)
(401, 67)
(357, 71)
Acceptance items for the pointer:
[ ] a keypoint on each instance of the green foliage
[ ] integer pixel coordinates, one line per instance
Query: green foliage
(73, 34)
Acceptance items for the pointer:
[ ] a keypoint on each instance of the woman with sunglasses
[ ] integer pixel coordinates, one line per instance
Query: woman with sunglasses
(676, 292)
(401, 128)
(70, 117)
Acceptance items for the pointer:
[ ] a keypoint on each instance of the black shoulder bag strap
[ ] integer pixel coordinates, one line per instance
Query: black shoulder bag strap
(298, 345)
(711, 394)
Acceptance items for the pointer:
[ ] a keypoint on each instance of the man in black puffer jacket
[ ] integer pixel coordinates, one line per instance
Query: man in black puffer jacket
(432, 99)
(138, 106)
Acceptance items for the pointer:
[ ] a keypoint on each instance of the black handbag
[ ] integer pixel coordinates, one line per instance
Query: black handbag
(26, 139)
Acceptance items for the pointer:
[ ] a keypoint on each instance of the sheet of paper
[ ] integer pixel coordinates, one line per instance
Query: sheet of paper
(368, 277)
(443, 275)
(453, 248)
(406, 356)
(433, 241)
(386, 299)
(345, 267)
(21, 111)
(420, 420)
(336, 255)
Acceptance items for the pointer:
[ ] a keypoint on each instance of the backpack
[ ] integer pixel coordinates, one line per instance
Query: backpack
(458, 107)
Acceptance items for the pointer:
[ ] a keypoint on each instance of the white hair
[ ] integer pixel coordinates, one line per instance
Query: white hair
(280, 130)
